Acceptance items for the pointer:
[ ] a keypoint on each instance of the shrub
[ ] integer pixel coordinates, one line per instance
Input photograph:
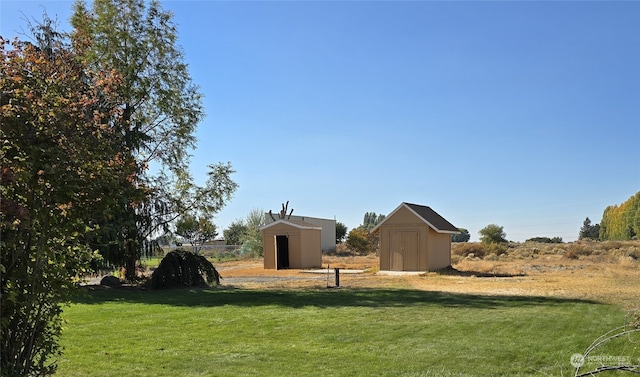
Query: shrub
(251, 248)
(576, 250)
(360, 241)
(477, 250)
(181, 268)
(341, 250)
(495, 248)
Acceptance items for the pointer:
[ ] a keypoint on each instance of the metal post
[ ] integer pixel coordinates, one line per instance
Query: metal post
(337, 270)
(327, 275)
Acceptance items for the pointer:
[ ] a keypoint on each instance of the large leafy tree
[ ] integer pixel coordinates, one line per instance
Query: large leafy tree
(161, 109)
(235, 232)
(252, 239)
(161, 104)
(492, 233)
(196, 230)
(61, 158)
(247, 232)
(621, 222)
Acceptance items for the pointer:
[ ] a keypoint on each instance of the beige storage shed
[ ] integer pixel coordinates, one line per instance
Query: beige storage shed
(414, 238)
(291, 244)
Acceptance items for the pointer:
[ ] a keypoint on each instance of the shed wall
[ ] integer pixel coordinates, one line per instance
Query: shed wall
(304, 246)
(433, 249)
(269, 250)
(311, 253)
(440, 244)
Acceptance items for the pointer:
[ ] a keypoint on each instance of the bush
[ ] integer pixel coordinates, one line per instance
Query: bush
(360, 241)
(341, 250)
(576, 250)
(497, 249)
(251, 249)
(474, 249)
(181, 268)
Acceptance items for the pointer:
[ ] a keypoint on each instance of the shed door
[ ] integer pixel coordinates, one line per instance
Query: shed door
(282, 252)
(403, 251)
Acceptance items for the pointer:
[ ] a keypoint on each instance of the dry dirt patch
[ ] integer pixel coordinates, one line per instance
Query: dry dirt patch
(549, 275)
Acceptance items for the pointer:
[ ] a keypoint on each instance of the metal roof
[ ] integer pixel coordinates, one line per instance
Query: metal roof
(295, 223)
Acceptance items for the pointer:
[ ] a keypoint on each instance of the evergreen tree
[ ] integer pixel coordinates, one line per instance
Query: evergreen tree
(463, 236)
(589, 231)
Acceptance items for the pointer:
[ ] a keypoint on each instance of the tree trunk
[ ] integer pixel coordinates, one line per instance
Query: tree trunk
(130, 263)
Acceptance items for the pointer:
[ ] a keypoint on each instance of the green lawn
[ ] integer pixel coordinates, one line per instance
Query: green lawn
(329, 332)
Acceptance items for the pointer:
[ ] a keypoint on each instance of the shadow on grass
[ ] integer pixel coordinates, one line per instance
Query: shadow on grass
(321, 298)
(451, 271)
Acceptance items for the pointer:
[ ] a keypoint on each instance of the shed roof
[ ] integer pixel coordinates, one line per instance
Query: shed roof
(295, 223)
(426, 214)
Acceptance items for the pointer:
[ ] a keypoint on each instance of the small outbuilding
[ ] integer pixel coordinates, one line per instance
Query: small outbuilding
(291, 244)
(328, 229)
(414, 238)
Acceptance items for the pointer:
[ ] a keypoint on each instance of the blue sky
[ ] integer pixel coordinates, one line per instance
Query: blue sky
(522, 114)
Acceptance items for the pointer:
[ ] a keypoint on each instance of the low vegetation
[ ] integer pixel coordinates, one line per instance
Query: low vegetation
(611, 251)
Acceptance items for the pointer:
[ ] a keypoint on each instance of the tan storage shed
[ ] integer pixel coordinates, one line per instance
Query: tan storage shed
(414, 238)
(291, 244)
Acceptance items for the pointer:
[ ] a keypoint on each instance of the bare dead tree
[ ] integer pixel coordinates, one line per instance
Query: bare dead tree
(283, 212)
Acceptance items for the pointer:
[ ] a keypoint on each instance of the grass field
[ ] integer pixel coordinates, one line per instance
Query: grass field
(522, 313)
(326, 332)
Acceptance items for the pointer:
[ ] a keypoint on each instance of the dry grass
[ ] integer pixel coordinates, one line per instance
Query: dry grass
(552, 276)
(600, 271)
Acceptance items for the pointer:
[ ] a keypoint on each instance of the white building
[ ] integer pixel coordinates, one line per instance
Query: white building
(328, 228)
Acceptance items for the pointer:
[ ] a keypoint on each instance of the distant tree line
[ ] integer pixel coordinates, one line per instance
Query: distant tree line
(371, 219)
(545, 239)
(621, 222)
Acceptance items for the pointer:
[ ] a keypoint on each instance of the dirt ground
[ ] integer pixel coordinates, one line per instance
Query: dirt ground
(615, 282)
